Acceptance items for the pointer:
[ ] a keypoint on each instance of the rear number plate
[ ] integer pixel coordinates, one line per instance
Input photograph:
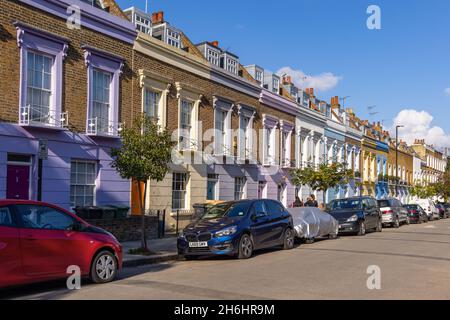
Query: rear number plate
(198, 244)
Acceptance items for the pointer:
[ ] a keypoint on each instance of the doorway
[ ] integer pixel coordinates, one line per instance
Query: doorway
(18, 177)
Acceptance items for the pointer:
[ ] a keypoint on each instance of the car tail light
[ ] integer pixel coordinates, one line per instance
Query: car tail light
(413, 211)
(388, 212)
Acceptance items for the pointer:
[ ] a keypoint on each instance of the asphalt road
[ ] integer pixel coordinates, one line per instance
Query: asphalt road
(414, 262)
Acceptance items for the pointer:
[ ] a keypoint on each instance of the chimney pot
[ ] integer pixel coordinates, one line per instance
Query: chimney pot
(215, 44)
(158, 17)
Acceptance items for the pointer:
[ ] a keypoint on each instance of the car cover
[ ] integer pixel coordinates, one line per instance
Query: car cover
(310, 223)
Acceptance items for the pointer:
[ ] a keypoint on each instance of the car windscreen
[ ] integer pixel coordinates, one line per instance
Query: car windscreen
(231, 210)
(384, 203)
(345, 204)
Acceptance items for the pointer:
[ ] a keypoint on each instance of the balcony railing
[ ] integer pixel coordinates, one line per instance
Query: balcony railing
(287, 163)
(102, 127)
(44, 117)
(188, 144)
(269, 160)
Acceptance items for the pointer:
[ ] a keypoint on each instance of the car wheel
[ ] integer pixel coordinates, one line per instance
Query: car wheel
(396, 224)
(334, 236)
(104, 267)
(289, 238)
(362, 229)
(407, 222)
(379, 227)
(245, 247)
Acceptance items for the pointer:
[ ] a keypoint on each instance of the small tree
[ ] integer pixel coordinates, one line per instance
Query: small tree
(144, 155)
(322, 179)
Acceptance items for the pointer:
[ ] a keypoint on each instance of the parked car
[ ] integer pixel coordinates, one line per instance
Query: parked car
(311, 223)
(394, 214)
(416, 214)
(442, 212)
(429, 207)
(237, 229)
(356, 215)
(447, 208)
(39, 241)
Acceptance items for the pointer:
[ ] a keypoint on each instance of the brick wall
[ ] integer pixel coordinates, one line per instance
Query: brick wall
(128, 229)
(74, 97)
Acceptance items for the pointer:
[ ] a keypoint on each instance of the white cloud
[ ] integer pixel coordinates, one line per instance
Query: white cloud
(418, 125)
(323, 82)
(447, 91)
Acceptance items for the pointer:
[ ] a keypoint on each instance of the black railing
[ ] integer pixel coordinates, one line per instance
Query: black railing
(160, 216)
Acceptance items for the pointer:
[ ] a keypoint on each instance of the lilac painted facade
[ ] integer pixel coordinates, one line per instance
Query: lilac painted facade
(64, 167)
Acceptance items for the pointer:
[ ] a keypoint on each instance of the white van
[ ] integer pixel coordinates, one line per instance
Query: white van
(429, 207)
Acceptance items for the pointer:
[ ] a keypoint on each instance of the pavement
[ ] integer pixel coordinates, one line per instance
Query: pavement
(413, 263)
(163, 249)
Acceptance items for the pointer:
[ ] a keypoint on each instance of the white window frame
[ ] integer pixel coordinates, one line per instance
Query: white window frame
(94, 196)
(269, 140)
(242, 183)
(222, 146)
(186, 93)
(245, 137)
(213, 56)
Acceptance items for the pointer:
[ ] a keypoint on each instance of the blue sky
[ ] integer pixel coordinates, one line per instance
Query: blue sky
(405, 65)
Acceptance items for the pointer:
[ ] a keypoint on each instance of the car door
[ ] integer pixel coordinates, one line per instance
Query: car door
(11, 272)
(49, 244)
(260, 224)
(277, 216)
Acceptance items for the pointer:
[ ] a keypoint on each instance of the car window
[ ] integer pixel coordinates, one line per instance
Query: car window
(274, 209)
(374, 203)
(41, 217)
(6, 217)
(383, 203)
(259, 207)
(366, 203)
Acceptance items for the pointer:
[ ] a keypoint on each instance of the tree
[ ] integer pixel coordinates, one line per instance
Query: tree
(322, 179)
(423, 191)
(144, 155)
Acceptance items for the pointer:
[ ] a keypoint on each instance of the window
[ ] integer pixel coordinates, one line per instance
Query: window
(186, 125)
(239, 188)
(213, 180)
(213, 57)
(274, 209)
(100, 100)
(232, 65)
(259, 76)
(82, 183)
(179, 184)
(173, 38)
(39, 91)
(246, 136)
(284, 152)
(259, 208)
(151, 103)
(41, 217)
(221, 132)
(269, 156)
(276, 85)
(5, 217)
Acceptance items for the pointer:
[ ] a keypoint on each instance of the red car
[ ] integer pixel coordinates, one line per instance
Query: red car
(39, 241)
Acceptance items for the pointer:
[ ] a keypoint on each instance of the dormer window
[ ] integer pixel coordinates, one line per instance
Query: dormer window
(229, 62)
(259, 76)
(213, 56)
(173, 38)
(232, 65)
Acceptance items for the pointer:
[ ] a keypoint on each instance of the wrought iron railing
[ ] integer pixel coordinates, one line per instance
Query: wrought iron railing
(99, 126)
(43, 117)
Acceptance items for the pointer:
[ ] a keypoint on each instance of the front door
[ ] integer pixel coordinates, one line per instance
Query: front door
(18, 182)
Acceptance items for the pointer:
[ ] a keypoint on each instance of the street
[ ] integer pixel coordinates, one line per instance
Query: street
(414, 262)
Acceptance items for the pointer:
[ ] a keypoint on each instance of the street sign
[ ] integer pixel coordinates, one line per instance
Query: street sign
(43, 149)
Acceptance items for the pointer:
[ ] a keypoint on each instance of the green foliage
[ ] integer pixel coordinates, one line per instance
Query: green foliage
(324, 178)
(145, 152)
(423, 191)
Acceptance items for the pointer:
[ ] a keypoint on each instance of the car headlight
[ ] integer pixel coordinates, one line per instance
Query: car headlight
(353, 218)
(226, 232)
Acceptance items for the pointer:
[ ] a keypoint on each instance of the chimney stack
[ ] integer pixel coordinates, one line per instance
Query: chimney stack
(335, 102)
(215, 44)
(158, 17)
(310, 91)
(287, 79)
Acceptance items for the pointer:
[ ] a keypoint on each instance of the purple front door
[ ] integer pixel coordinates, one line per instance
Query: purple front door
(18, 182)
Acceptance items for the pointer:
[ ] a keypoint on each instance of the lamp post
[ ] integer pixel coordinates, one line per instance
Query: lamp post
(396, 158)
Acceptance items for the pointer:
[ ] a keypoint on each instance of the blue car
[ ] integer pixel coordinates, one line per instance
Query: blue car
(237, 229)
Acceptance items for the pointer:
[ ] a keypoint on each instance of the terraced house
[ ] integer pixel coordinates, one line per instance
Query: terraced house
(434, 162)
(64, 91)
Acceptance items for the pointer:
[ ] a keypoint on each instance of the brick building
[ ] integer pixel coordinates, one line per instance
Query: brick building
(63, 93)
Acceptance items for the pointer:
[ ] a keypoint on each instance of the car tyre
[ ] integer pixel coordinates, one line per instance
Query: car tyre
(396, 223)
(245, 250)
(379, 227)
(289, 238)
(104, 267)
(361, 229)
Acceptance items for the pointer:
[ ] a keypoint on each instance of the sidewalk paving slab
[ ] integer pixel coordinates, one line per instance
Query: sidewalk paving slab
(164, 249)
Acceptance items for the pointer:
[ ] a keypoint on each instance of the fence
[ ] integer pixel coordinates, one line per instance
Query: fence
(160, 220)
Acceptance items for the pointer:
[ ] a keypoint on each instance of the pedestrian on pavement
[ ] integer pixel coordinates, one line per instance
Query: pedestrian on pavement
(297, 203)
(312, 202)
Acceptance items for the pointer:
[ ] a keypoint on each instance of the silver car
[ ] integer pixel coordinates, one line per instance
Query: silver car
(311, 223)
(393, 212)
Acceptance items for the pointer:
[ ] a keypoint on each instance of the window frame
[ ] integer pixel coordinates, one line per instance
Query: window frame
(22, 225)
(185, 182)
(242, 182)
(95, 185)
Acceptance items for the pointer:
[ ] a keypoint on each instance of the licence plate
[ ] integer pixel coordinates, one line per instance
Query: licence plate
(198, 244)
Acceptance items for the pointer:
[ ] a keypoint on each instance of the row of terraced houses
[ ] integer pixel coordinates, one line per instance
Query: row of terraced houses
(65, 93)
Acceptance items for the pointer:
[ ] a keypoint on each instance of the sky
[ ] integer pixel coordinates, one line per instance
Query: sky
(399, 74)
